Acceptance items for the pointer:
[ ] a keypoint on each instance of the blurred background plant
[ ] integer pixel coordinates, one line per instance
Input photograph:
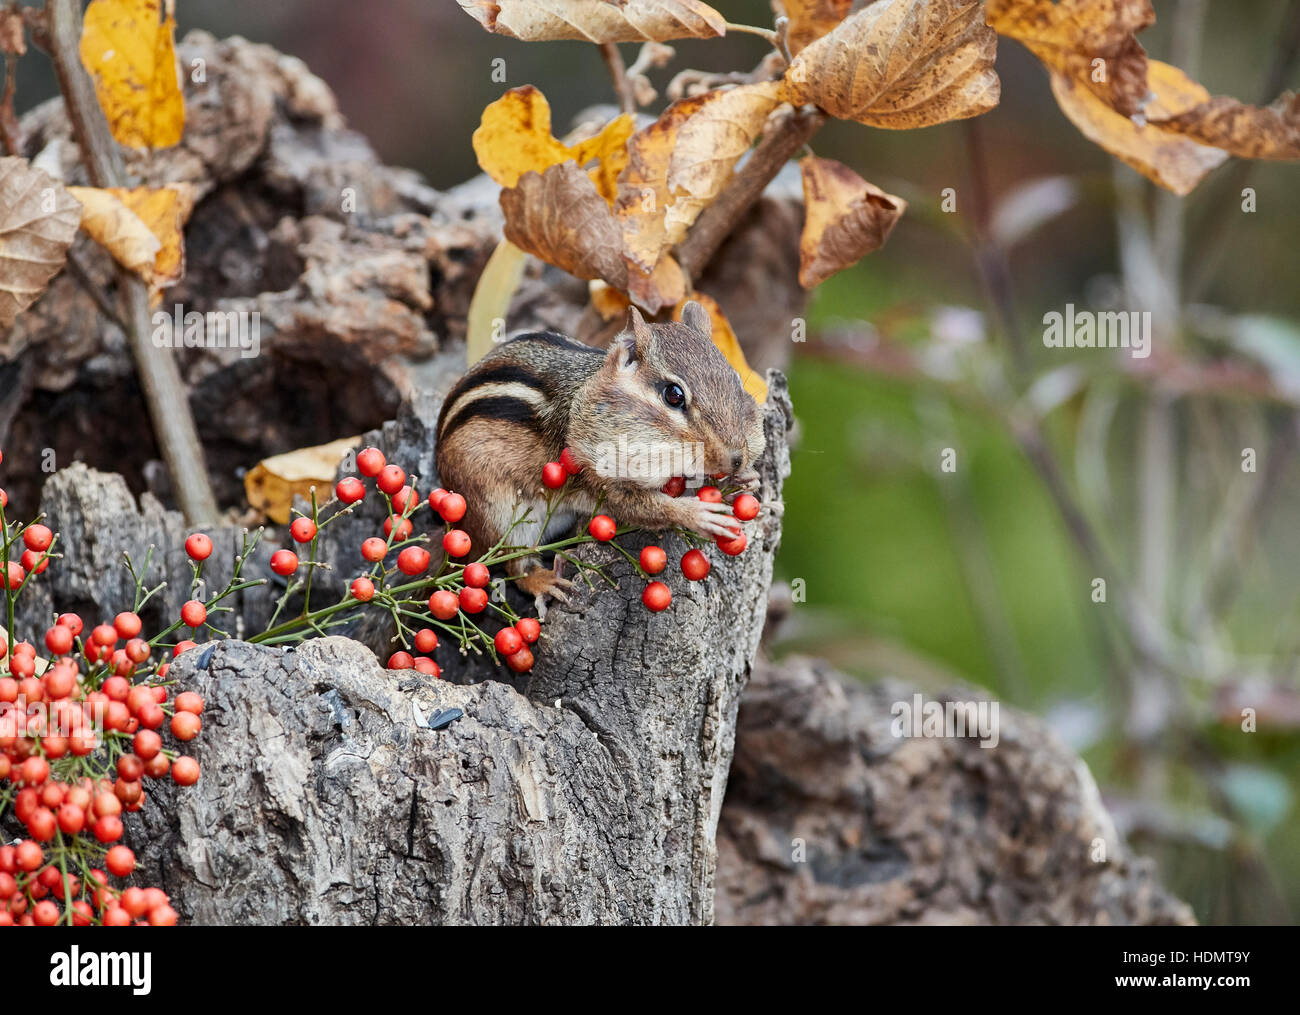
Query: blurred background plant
(1072, 465)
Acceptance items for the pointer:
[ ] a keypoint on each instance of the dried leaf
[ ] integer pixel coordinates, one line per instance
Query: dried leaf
(143, 228)
(128, 49)
(846, 218)
(660, 288)
(811, 19)
(1071, 36)
(901, 64)
(597, 20)
(680, 163)
(725, 339)
(38, 221)
(272, 483)
(610, 148)
(559, 216)
(1251, 132)
(1173, 161)
(491, 300)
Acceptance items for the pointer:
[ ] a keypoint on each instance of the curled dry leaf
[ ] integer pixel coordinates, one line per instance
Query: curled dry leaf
(272, 483)
(514, 137)
(1091, 41)
(901, 64)
(1164, 156)
(143, 228)
(679, 164)
(128, 49)
(811, 19)
(1251, 132)
(38, 222)
(845, 219)
(725, 339)
(660, 288)
(559, 216)
(597, 20)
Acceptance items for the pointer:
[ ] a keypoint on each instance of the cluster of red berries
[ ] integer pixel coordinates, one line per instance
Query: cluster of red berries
(63, 720)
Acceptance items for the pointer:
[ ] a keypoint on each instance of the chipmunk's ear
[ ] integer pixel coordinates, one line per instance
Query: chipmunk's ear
(631, 344)
(695, 316)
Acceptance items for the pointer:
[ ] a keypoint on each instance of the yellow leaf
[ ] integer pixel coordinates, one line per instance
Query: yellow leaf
(660, 288)
(597, 20)
(107, 220)
(1163, 156)
(811, 19)
(725, 339)
(128, 50)
(1250, 132)
(514, 136)
(490, 303)
(610, 147)
(272, 483)
(900, 64)
(680, 163)
(111, 216)
(845, 219)
(35, 233)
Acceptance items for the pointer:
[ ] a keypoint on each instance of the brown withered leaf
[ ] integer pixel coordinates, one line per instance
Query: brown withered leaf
(845, 219)
(1069, 36)
(272, 483)
(1175, 162)
(811, 19)
(901, 64)
(1250, 132)
(142, 227)
(679, 163)
(657, 289)
(38, 221)
(560, 217)
(597, 20)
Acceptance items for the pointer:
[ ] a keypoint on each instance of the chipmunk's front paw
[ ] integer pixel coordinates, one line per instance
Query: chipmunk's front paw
(713, 519)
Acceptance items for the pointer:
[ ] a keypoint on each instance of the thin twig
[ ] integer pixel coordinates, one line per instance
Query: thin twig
(618, 74)
(160, 378)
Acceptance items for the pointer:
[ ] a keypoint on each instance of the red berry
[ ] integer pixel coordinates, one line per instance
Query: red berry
(695, 565)
(146, 744)
(186, 725)
(521, 661)
(436, 498)
(120, 861)
(72, 622)
(350, 490)
(656, 596)
(406, 500)
(188, 701)
(185, 771)
(284, 562)
(108, 829)
(72, 819)
(137, 649)
(413, 560)
(745, 507)
(38, 538)
(363, 589)
(391, 479)
(194, 614)
(15, 574)
(198, 546)
(473, 600)
(401, 661)
(529, 629)
(554, 475)
(675, 487)
(374, 549)
(46, 913)
(130, 767)
(735, 546)
(402, 525)
(508, 641)
(127, 625)
(35, 771)
(184, 646)
(425, 665)
(653, 560)
(570, 463)
(33, 562)
(370, 461)
(426, 640)
(303, 530)
(104, 635)
(602, 527)
(28, 856)
(456, 542)
(452, 508)
(163, 916)
(476, 575)
(444, 604)
(58, 639)
(711, 494)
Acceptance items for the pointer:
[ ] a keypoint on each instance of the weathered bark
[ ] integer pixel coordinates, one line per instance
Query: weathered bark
(831, 818)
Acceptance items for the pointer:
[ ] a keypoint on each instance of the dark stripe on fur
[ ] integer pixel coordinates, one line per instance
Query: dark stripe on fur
(502, 407)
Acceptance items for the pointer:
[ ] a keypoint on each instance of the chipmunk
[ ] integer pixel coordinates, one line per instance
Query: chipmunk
(662, 402)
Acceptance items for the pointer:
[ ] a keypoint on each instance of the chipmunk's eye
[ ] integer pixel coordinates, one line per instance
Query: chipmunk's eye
(674, 396)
